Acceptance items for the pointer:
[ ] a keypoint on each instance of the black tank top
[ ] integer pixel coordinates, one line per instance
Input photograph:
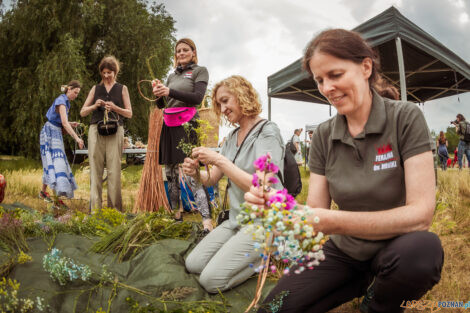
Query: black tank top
(114, 95)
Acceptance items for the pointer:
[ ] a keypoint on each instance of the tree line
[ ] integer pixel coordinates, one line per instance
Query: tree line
(47, 43)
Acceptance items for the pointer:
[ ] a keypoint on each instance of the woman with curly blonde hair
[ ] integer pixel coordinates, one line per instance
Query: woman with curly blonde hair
(223, 257)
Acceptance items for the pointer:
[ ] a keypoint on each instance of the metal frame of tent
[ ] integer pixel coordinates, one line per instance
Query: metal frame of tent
(419, 66)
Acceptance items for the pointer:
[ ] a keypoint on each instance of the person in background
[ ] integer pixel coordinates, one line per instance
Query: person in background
(185, 89)
(220, 258)
(455, 161)
(464, 146)
(307, 144)
(374, 160)
(442, 150)
(57, 173)
(296, 142)
(112, 99)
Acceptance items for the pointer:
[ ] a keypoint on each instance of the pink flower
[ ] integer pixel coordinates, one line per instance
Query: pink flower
(255, 180)
(282, 196)
(273, 180)
(260, 163)
(271, 167)
(264, 163)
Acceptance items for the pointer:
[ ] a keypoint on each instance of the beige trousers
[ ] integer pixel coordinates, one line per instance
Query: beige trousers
(105, 151)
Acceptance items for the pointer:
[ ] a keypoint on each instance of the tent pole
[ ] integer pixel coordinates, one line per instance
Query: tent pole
(269, 108)
(401, 68)
(305, 148)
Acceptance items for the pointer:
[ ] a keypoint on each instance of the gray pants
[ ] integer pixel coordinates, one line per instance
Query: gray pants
(105, 150)
(223, 258)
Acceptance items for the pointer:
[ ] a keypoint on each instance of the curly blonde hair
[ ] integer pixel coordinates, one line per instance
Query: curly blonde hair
(243, 90)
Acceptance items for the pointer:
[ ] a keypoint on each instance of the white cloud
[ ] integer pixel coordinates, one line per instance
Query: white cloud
(258, 38)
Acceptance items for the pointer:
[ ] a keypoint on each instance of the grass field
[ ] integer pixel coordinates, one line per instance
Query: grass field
(451, 219)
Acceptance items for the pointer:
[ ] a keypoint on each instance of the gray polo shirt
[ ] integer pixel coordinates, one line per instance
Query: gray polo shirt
(185, 81)
(269, 140)
(366, 173)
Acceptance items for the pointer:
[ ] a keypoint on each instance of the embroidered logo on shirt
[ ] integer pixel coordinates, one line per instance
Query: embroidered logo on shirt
(384, 158)
(188, 75)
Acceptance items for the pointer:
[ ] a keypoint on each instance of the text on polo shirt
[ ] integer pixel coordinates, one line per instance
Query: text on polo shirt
(384, 158)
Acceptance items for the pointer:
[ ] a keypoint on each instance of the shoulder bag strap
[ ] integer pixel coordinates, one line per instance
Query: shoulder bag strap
(279, 174)
(236, 155)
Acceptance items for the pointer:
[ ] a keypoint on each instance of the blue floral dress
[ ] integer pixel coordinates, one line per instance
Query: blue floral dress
(57, 173)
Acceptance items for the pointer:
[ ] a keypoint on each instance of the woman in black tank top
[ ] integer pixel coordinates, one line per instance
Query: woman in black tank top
(108, 98)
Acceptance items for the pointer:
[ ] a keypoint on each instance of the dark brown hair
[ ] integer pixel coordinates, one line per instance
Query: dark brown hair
(109, 63)
(71, 85)
(460, 117)
(349, 45)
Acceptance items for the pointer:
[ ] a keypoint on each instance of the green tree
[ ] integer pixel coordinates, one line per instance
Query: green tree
(46, 43)
(452, 139)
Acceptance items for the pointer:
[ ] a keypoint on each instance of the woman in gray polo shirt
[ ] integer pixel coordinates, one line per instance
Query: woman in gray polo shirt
(224, 256)
(374, 160)
(184, 90)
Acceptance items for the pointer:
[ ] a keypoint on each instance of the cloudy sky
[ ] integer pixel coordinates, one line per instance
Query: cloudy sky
(257, 38)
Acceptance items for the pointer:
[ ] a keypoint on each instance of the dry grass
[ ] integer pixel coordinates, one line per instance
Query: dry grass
(24, 181)
(451, 219)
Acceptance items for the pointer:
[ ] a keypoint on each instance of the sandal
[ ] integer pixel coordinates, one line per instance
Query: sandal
(44, 196)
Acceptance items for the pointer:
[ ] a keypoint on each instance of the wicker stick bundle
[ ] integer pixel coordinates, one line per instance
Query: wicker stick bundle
(151, 195)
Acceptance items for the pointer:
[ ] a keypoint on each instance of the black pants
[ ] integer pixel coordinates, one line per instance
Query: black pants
(405, 269)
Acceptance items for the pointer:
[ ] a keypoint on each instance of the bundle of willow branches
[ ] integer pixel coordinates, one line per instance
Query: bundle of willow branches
(127, 240)
(151, 195)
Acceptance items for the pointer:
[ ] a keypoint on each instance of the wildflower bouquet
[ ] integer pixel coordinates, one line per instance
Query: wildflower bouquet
(187, 147)
(280, 229)
(63, 269)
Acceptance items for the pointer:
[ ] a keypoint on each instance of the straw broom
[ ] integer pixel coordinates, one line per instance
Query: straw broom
(151, 195)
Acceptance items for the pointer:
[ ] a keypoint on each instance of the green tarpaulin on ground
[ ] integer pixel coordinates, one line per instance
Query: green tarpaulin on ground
(157, 270)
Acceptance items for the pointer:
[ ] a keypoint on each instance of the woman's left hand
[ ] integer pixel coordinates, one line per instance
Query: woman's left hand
(205, 155)
(190, 166)
(73, 124)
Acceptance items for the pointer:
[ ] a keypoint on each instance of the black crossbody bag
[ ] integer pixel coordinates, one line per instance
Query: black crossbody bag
(225, 213)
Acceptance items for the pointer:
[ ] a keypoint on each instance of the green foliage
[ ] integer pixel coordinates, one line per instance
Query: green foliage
(161, 305)
(11, 233)
(46, 43)
(9, 301)
(452, 138)
(200, 132)
(127, 240)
